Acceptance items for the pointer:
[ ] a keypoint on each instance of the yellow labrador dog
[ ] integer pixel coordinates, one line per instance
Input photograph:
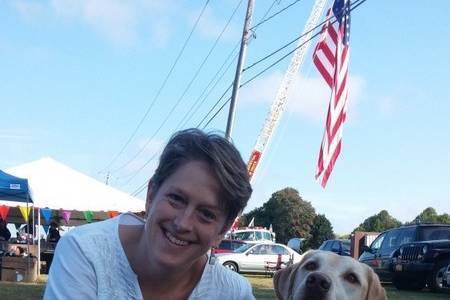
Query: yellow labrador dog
(324, 275)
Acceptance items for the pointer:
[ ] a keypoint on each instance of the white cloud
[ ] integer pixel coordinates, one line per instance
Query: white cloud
(121, 21)
(29, 10)
(211, 25)
(114, 18)
(124, 21)
(308, 97)
(387, 105)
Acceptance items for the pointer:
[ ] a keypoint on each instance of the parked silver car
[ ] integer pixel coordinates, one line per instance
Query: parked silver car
(257, 258)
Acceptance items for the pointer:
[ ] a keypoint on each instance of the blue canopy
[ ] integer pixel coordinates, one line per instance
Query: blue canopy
(13, 188)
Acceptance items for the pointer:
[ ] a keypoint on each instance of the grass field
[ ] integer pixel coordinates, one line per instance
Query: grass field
(262, 289)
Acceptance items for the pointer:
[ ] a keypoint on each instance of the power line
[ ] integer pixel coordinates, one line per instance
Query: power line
(160, 89)
(217, 112)
(178, 101)
(357, 3)
(195, 76)
(275, 14)
(194, 108)
(140, 189)
(214, 106)
(354, 6)
(254, 77)
(196, 104)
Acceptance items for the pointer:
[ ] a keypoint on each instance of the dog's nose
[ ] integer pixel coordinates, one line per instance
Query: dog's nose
(319, 282)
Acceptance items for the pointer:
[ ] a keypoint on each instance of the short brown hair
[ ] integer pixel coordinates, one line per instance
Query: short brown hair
(220, 154)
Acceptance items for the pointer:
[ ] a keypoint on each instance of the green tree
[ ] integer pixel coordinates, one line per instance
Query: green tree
(256, 213)
(429, 215)
(378, 223)
(321, 231)
(288, 213)
(444, 218)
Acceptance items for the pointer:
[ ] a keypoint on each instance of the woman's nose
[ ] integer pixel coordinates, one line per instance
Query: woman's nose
(184, 221)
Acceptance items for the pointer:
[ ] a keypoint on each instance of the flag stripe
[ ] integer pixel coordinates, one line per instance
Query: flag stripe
(332, 50)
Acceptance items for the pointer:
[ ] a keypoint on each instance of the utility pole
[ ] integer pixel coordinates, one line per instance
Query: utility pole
(107, 178)
(237, 78)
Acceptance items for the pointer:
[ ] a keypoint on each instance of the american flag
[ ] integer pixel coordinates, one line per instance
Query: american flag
(331, 58)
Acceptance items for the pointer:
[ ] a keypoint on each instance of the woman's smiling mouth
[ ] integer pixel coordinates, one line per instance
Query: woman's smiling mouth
(174, 240)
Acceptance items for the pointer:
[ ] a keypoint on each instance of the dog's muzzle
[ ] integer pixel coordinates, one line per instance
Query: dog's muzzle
(317, 286)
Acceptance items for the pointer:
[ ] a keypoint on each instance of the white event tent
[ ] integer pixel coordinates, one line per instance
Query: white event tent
(56, 186)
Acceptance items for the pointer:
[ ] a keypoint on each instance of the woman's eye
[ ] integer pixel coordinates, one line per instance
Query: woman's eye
(176, 199)
(351, 278)
(311, 266)
(208, 215)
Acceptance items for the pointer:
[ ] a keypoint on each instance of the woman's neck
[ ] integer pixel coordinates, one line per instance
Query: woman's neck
(155, 278)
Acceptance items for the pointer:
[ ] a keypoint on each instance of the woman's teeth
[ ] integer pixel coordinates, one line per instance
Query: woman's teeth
(174, 240)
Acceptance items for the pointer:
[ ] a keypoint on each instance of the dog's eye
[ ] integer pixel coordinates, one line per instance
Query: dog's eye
(351, 278)
(311, 266)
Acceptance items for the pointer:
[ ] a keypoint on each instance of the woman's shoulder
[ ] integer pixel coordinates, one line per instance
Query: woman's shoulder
(91, 230)
(221, 283)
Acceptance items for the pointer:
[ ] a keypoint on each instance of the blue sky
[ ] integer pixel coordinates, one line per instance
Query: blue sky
(77, 77)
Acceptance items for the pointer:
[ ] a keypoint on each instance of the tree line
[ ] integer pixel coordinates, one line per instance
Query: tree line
(292, 216)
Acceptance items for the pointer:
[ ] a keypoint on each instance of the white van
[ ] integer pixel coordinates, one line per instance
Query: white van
(252, 235)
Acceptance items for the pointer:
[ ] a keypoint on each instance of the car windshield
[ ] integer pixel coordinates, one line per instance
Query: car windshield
(245, 236)
(346, 245)
(243, 248)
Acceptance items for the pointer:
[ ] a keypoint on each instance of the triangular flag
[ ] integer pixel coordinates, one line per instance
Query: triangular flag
(4, 212)
(46, 227)
(25, 212)
(252, 223)
(47, 214)
(66, 215)
(88, 215)
(113, 213)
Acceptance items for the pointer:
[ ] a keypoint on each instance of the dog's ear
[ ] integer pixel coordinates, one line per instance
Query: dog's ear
(374, 290)
(281, 281)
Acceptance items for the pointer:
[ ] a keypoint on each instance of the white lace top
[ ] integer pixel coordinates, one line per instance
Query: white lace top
(90, 263)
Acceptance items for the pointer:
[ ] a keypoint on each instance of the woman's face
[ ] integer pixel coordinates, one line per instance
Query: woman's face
(184, 216)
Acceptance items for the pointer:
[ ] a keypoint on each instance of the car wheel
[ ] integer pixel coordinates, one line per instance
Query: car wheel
(437, 276)
(409, 284)
(231, 265)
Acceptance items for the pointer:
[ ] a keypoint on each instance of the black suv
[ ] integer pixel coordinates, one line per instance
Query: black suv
(420, 263)
(382, 255)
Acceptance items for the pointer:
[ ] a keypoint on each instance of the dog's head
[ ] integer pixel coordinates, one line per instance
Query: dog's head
(328, 276)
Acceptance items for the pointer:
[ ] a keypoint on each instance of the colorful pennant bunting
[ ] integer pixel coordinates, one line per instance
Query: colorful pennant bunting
(25, 212)
(66, 215)
(47, 214)
(113, 213)
(46, 227)
(4, 212)
(88, 214)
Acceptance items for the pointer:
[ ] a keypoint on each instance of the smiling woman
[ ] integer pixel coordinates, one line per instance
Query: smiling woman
(198, 189)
